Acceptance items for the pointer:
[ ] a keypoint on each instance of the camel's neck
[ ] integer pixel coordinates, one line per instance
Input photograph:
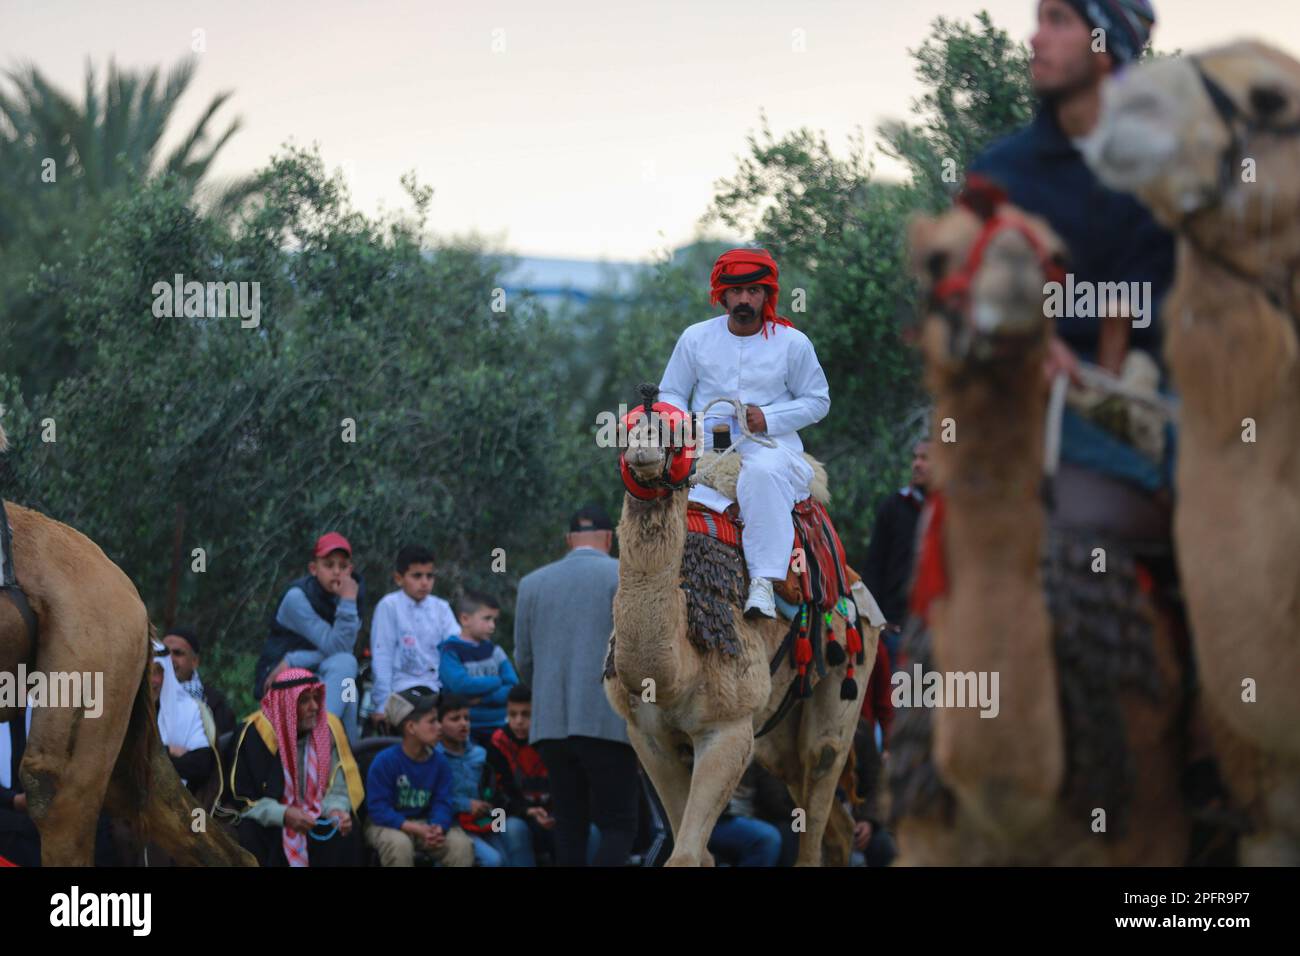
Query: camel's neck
(989, 459)
(649, 608)
(1232, 352)
(993, 620)
(651, 535)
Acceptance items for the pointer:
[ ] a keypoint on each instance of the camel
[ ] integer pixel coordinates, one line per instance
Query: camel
(692, 715)
(90, 620)
(1089, 693)
(1211, 144)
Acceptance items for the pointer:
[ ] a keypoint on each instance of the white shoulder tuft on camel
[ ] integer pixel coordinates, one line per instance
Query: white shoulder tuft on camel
(721, 472)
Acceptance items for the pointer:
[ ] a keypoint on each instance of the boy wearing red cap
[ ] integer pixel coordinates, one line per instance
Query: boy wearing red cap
(315, 627)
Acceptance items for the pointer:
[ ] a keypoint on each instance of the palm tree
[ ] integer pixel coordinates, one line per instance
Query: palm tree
(99, 147)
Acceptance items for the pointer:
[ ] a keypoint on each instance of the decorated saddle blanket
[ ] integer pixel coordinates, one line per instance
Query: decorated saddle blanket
(818, 569)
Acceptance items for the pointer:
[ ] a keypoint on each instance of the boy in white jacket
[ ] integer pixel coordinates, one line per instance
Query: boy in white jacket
(407, 629)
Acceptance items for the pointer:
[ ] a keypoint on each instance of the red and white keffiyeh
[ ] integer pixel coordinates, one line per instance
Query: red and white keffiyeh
(280, 705)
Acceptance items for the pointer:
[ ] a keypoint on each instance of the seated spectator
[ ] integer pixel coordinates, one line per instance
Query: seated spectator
(773, 804)
(180, 725)
(739, 837)
(315, 628)
(183, 643)
(293, 776)
(521, 783)
(408, 789)
(870, 838)
(475, 668)
(408, 627)
(469, 774)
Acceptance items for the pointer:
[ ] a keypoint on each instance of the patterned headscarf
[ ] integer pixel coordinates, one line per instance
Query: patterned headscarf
(280, 705)
(744, 267)
(1127, 24)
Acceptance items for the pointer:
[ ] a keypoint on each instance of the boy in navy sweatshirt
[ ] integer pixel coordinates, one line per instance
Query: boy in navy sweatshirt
(475, 668)
(409, 789)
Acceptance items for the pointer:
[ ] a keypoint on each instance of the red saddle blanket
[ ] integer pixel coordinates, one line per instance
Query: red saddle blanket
(817, 563)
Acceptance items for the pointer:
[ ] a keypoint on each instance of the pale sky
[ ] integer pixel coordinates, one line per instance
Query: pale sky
(581, 128)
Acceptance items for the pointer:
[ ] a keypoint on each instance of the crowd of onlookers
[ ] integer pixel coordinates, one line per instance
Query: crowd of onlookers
(454, 754)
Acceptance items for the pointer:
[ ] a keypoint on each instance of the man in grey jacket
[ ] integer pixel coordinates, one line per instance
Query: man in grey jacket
(563, 619)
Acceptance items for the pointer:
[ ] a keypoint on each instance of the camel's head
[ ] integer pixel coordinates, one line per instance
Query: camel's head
(981, 268)
(1216, 133)
(660, 448)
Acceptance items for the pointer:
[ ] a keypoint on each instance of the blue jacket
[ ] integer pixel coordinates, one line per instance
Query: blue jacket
(466, 775)
(478, 670)
(400, 789)
(1111, 236)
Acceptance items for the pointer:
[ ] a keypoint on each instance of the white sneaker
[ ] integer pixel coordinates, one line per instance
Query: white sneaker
(761, 602)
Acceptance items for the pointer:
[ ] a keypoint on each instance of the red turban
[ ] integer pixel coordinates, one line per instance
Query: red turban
(744, 267)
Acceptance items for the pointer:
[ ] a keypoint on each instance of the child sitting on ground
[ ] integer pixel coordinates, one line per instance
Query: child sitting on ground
(521, 783)
(474, 815)
(409, 789)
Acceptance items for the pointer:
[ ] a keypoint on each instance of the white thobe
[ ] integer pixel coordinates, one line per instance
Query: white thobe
(779, 374)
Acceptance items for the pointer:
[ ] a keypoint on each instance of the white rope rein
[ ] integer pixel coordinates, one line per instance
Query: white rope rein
(1102, 380)
(739, 409)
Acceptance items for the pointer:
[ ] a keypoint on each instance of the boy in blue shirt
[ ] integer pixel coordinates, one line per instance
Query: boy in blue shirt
(475, 817)
(475, 668)
(409, 789)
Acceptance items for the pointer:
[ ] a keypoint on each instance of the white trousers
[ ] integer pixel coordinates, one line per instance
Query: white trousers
(772, 481)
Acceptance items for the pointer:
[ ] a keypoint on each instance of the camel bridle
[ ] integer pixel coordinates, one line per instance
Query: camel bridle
(663, 482)
(1241, 127)
(951, 296)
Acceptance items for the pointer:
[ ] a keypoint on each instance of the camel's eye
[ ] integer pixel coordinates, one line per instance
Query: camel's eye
(1267, 102)
(937, 265)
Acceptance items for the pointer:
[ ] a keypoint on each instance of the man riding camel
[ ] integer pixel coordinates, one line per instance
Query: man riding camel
(759, 358)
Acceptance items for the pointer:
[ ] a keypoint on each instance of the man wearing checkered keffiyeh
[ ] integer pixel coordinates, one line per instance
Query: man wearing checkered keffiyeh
(294, 779)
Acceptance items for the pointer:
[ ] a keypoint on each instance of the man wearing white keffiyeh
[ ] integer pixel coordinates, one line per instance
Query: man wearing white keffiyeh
(180, 724)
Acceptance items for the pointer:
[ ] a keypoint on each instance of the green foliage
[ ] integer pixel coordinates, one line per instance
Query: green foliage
(475, 429)
(237, 433)
(837, 232)
(977, 90)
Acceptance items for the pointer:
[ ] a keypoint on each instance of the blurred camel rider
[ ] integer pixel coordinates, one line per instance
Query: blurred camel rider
(1107, 480)
(315, 627)
(759, 358)
(1111, 237)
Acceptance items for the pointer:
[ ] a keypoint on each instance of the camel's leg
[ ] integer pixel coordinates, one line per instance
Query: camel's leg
(71, 750)
(825, 738)
(670, 776)
(721, 756)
